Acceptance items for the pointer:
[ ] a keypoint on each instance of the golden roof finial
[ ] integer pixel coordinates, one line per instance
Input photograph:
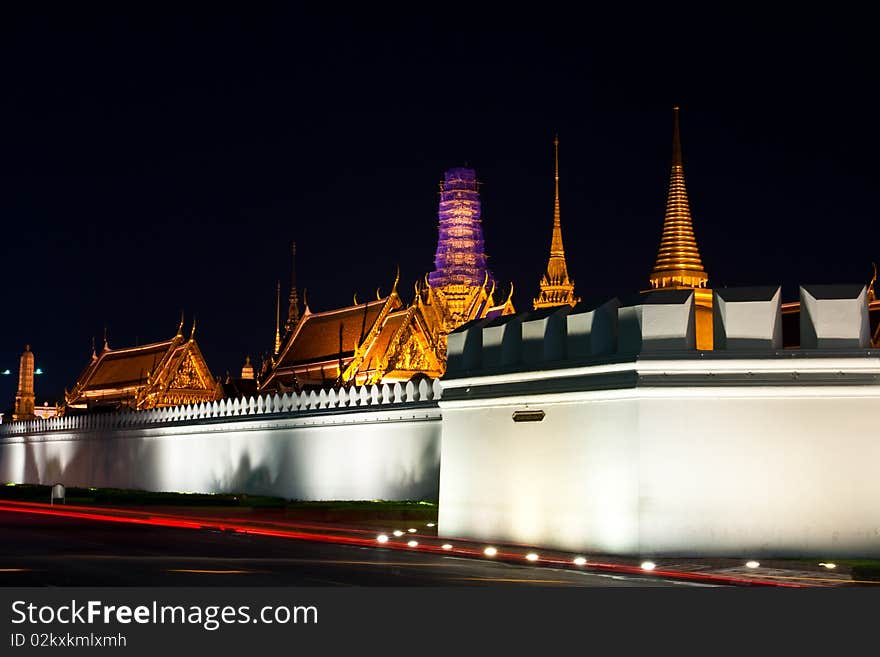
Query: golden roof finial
(180, 326)
(557, 289)
(678, 259)
(872, 295)
(192, 331)
(277, 317)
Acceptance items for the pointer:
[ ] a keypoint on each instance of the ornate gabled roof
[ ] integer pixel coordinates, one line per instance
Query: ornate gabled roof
(155, 374)
(317, 336)
(124, 368)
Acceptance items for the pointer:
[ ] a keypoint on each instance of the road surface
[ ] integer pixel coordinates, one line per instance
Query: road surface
(57, 551)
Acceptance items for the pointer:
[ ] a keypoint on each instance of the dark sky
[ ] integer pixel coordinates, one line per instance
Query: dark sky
(153, 162)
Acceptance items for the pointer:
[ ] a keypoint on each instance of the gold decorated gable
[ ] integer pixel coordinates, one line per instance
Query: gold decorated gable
(165, 373)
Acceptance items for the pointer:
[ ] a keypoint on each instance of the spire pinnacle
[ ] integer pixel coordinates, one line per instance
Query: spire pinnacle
(678, 259)
(192, 331)
(872, 294)
(293, 298)
(557, 289)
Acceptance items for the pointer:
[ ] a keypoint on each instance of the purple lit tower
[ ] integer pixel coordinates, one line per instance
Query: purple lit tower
(460, 258)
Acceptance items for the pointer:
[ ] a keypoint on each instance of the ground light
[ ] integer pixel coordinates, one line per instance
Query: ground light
(490, 551)
(752, 564)
(430, 524)
(413, 543)
(648, 565)
(531, 556)
(579, 561)
(446, 546)
(411, 530)
(397, 532)
(829, 566)
(382, 538)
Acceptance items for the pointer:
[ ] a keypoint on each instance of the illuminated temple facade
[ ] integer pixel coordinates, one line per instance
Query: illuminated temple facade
(386, 339)
(167, 373)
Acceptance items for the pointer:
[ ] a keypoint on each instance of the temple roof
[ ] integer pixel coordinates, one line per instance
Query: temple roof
(390, 326)
(317, 335)
(145, 375)
(124, 367)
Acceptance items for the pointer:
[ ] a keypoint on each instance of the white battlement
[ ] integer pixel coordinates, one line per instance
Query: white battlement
(305, 402)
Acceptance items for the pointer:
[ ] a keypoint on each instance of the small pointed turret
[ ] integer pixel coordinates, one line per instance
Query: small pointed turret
(277, 317)
(247, 371)
(557, 289)
(293, 299)
(24, 396)
(678, 260)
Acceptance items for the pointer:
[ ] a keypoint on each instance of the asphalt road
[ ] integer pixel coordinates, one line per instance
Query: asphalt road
(56, 551)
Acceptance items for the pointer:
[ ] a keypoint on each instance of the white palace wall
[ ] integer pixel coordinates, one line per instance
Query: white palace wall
(375, 446)
(729, 471)
(644, 445)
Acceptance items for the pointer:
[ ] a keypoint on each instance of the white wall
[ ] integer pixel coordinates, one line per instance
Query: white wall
(728, 471)
(391, 454)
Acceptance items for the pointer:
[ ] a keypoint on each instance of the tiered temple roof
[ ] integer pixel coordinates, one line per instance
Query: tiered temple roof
(164, 373)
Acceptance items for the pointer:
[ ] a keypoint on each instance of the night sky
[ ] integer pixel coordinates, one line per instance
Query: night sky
(158, 162)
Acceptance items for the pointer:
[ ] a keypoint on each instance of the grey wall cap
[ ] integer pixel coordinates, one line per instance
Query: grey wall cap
(747, 318)
(543, 335)
(592, 330)
(834, 317)
(662, 321)
(746, 294)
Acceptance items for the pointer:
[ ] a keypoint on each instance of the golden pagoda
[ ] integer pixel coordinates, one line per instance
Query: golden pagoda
(557, 289)
(24, 396)
(678, 263)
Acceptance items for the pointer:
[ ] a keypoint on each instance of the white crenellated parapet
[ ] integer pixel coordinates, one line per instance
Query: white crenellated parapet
(661, 320)
(543, 335)
(592, 333)
(464, 346)
(834, 317)
(747, 318)
(323, 400)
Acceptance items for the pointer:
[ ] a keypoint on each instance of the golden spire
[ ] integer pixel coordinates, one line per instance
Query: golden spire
(557, 289)
(293, 299)
(678, 260)
(277, 317)
(872, 294)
